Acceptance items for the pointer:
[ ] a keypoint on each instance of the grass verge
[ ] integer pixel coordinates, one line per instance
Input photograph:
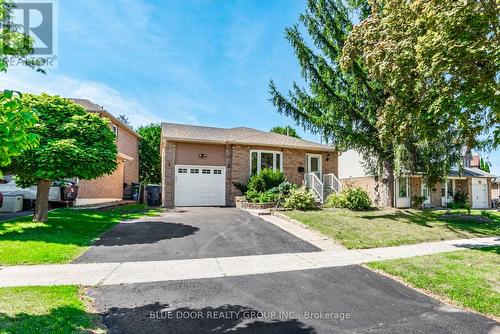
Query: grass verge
(389, 227)
(53, 309)
(467, 278)
(66, 234)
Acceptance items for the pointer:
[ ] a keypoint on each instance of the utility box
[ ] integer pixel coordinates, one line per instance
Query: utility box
(12, 203)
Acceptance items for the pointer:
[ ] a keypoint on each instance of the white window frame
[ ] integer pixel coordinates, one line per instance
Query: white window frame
(114, 129)
(259, 152)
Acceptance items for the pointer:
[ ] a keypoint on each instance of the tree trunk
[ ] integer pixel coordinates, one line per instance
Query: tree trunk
(42, 201)
(386, 186)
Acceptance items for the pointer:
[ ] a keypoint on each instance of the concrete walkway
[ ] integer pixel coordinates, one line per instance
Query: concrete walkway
(95, 274)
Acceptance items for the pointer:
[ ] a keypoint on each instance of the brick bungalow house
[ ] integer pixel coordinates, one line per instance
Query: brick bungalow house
(110, 188)
(475, 182)
(200, 164)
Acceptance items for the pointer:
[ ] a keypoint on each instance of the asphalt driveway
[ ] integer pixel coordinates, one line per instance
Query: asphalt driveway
(334, 300)
(193, 233)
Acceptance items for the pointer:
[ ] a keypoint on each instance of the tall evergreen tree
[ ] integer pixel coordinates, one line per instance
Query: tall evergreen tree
(339, 104)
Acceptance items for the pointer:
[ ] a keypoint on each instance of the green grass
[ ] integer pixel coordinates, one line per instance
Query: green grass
(66, 234)
(45, 310)
(468, 278)
(379, 228)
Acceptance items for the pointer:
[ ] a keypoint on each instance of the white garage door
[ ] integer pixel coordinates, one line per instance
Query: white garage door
(200, 186)
(479, 193)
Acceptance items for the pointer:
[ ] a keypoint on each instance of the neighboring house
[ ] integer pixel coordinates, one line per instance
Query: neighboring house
(475, 162)
(475, 182)
(117, 185)
(495, 188)
(201, 164)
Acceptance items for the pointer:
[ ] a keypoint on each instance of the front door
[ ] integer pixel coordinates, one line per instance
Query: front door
(402, 192)
(314, 164)
(426, 194)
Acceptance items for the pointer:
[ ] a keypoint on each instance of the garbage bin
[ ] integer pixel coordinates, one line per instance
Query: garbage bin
(136, 189)
(153, 193)
(12, 203)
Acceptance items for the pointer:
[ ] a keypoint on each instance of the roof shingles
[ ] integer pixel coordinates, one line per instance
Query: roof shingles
(240, 135)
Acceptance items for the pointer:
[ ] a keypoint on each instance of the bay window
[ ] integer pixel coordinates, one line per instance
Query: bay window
(265, 159)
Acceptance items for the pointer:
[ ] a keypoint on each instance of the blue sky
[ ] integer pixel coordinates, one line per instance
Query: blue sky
(205, 62)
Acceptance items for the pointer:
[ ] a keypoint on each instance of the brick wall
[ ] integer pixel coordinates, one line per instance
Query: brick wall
(109, 186)
(494, 193)
(128, 144)
(237, 163)
(168, 177)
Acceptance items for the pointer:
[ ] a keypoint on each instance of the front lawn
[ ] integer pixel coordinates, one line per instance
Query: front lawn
(66, 234)
(389, 227)
(468, 278)
(58, 309)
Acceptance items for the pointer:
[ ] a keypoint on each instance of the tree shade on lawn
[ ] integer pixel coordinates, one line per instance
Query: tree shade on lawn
(63, 237)
(45, 309)
(467, 278)
(73, 143)
(381, 228)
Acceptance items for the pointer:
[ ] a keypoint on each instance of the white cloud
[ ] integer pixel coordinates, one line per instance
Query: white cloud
(98, 92)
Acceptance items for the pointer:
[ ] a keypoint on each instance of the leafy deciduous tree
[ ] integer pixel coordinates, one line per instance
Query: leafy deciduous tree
(286, 130)
(73, 143)
(15, 119)
(439, 64)
(149, 153)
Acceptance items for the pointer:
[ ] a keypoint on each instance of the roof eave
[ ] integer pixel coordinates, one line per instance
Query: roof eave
(228, 142)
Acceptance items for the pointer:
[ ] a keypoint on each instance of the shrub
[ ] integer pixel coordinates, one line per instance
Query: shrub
(267, 197)
(252, 196)
(350, 198)
(418, 201)
(242, 187)
(300, 199)
(461, 200)
(265, 180)
(335, 201)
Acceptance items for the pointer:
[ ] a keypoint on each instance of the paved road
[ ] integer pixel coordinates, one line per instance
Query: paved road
(193, 233)
(334, 300)
(8, 215)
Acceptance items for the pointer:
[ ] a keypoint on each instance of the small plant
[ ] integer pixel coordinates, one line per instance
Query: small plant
(487, 214)
(417, 202)
(335, 201)
(356, 199)
(300, 199)
(265, 180)
(267, 197)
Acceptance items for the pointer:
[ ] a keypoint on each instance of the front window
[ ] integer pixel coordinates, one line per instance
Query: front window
(403, 187)
(265, 159)
(450, 188)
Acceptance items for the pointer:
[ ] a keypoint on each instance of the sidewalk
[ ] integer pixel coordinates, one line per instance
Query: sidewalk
(154, 271)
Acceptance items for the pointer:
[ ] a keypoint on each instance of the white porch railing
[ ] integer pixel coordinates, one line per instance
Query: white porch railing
(312, 182)
(331, 182)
